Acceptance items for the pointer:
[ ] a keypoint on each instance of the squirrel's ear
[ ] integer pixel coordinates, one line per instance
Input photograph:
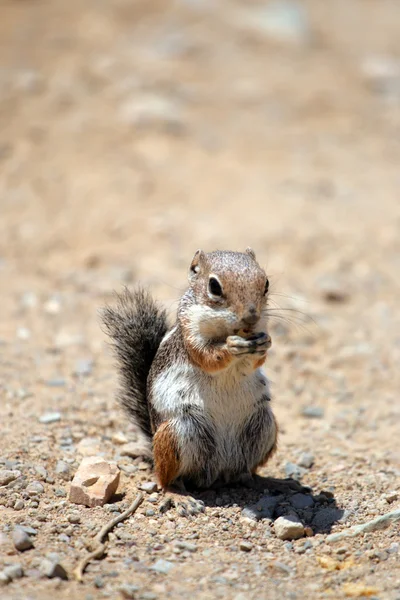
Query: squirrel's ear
(251, 253)
(196, 264)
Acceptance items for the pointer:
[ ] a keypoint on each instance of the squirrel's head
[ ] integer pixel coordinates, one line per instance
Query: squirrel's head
(230, 292)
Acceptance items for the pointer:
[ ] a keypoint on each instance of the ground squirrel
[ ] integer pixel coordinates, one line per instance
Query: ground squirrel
(197, 390)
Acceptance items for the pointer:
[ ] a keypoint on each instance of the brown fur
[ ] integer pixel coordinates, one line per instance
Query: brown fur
(166, 455)
(210, 359)
(259, 363)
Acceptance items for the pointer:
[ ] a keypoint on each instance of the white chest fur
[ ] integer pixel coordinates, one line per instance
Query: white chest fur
(228, 398)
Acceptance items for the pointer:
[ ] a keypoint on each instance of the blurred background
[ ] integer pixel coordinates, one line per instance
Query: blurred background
(134, 132)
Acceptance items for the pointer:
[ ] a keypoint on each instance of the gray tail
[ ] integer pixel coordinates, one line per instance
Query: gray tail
(136, 326)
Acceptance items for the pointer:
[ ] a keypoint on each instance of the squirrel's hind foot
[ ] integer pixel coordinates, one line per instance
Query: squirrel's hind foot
(184, 504)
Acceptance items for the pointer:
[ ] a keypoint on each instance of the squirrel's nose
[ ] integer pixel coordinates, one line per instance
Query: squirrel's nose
(251, 317)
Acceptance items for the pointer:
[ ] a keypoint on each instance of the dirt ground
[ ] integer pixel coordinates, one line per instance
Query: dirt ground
(131, 134)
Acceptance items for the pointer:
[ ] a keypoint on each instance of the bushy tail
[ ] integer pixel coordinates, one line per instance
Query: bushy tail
(136, 326)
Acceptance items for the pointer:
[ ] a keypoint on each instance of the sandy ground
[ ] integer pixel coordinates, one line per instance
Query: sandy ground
(131, 134)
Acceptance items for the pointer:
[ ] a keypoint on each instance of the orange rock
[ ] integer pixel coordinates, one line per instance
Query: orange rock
(95, 481)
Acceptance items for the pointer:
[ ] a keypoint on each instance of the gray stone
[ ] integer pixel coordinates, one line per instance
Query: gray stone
(55, 382)
(21, 539)
(41, 471)
(6, 476)
(288, 528)
(182, 545)
(28, 529)
(19, 505)
(313, 412)
(14, 571)
(153, 111)
(83, 367)
(301, 501)
(50, 567)
(325, 518)
(306, 460)
(63, 470)
(4, 579)
(74, 518)
(162, 566)
(50, 417)
(128, 591)
(294, 471)
(35, 488)
(283, 21)
(263, 509)
(149, 487)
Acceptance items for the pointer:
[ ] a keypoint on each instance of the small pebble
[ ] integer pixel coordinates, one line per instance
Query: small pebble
(294, 471)
(149, 487)
(19, 505)
(245, 546)
(306, 460)
(288, 528)
(50, 417)
(83, 367)
(313, 412)
(74, 518)
(128, 591)
(98, 582)
(41, 471)
(35, 488)
(14, 571)
(4, 579)
(162, 566)
(119, 438)
(50, 567)
(21, 539)
(7, 476)
(55, 382)
(63, 470)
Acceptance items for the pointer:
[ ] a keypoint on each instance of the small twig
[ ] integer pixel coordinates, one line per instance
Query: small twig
(100, 550)
(375, 525)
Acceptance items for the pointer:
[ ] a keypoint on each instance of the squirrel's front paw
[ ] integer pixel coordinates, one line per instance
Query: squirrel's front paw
(256, 344)
(184, 505)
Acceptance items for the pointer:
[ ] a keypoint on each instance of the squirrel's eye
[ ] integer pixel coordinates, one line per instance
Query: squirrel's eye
(266, 286)
(214, 287)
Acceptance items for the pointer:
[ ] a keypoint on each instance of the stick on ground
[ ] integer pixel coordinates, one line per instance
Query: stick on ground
(101, 547)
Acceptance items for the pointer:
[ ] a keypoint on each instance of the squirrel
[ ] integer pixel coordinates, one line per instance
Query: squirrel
(197, 390)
